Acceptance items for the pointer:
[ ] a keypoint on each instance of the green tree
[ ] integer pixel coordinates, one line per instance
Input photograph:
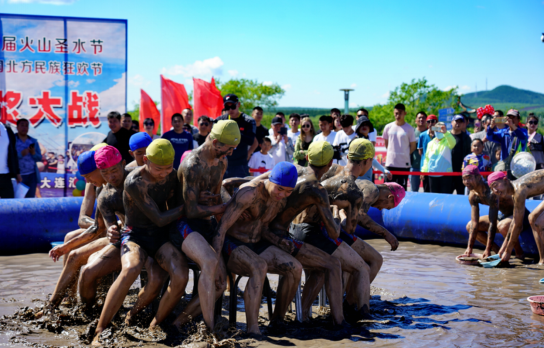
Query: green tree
(252, 93)
(416, 96)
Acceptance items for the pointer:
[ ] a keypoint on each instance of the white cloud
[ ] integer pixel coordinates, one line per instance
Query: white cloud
(47, 2)
(353, 85)
(462, 88)
(448, 88)
(138, 81)
(286, 87)
(89, 81)
(386, 95)
(113, 99)
(71, 84)
(267, 83)
(233, 73)
(201, 68)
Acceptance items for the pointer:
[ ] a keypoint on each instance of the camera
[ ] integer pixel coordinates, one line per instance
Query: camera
(500, 120)
(283, 131)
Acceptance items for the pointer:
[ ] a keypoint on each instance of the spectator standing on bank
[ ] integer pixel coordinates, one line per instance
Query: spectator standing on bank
(478, 126)
(261, 131)
(29, 153)
(118, 136)
(205, 125)
(536, 141)
(238, 161)
(181, 140)
(135, 127)
(438, 159)
(307, 134)
(363, 130)
(490, 147)
(460, 150)
(372, 135)
(422, 141)
(294, 122)
(343, 138)
(262, 162)
(9, 162)
(400, 142)
(477, 157)
(326, 126)
(421, 126)
(335, 114)
(188, 119)
(149, 125)
(126, 122)
(279, 141)
(284, 124)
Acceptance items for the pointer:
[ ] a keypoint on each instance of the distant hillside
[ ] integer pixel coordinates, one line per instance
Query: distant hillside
(504, 95)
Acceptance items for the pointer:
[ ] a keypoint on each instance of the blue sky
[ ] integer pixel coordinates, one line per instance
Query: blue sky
(314, 48)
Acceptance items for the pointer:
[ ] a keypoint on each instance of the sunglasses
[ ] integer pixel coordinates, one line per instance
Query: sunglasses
(148, 124)
(205, 124)
(230, 106)
(532, 122)
(306, 126)
(431, 121)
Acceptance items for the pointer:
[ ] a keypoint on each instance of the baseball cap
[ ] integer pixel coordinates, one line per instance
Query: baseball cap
(226, 132)
(513, 112)
(360, 149)
(107, 157)
(277, 120)
(230, 98)
(458, 117)
(86, 163)
(320, 153)
(432, 117)
(139, 140)
(397, 191)
(161, 152)
(284, 174)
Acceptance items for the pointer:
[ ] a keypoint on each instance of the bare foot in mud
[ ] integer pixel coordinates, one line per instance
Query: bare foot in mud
(128, 319)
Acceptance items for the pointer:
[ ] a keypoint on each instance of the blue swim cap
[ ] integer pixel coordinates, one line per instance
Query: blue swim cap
(139, 140)
(284, 174)
(86, 163)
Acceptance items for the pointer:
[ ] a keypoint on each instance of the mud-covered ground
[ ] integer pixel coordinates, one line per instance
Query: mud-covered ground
(422, 298)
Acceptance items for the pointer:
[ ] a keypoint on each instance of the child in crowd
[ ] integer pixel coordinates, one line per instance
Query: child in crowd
(60, 164)
(477, 157)
(498, 157)
(262, 162)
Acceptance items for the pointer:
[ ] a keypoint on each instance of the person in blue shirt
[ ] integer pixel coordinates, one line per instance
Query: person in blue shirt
(180, 139)
(29, 153)
(508, 135)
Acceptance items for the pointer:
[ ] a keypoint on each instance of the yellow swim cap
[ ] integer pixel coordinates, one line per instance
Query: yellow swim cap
(161, 152)
(98, 146)
(360, 149)
(320, 153)
(226, 132)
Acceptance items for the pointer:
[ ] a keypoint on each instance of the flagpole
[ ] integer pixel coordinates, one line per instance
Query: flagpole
(162, 108)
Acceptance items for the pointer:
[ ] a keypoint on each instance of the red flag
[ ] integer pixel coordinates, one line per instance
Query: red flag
(207, 99)
(148, 109)
(174, 99)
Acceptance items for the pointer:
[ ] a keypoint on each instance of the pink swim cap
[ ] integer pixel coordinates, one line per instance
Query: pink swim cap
(494, 177)
(471, 170)
(106, 157)
(397, 191)
(185, 154)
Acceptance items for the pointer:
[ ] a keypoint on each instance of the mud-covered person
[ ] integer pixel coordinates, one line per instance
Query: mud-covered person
(484, 228)
(110, 205)
(529, 185)
(384, 196)
(202, 171)
(138, 143)
(149, 191)
(252, 251)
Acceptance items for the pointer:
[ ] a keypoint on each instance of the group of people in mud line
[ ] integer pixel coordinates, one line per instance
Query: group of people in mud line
(292, 218)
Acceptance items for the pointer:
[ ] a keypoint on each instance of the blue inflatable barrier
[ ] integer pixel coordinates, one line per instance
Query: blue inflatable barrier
(29, 225)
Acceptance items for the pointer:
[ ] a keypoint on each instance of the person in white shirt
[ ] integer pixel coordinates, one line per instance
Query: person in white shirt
(294, 122)
(279, 141)
(335, 114)
(281, 115)
(343, 138)
(327, 134)
(372, 136)
(262, 162)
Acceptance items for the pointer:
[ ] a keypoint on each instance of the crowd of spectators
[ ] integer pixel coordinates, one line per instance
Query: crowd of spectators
(425, 147)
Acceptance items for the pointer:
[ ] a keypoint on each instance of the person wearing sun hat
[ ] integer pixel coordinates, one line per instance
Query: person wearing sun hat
(149, 209)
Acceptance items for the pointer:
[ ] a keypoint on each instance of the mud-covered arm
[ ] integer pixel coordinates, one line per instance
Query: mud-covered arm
(332, 223)
(237, 205)
(85, 220)
(231, 183)
(148, 207)
(474, 223)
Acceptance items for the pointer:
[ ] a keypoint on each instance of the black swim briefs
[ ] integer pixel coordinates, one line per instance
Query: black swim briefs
(183, 227)
(151, 240)
(526, 224)
(231, 243)
(316, 235)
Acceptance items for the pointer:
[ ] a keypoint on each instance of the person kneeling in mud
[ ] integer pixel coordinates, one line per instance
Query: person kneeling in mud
(201, 171)
(252, 251)
(529, 185)
(501, 209)
(149, 190)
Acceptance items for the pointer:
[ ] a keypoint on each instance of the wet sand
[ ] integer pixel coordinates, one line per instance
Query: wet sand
(421, 298)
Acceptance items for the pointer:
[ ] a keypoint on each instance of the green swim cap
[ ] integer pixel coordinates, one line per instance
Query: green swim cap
(320, 153)
(98, 146)
(226, 132)
(361, 149)
(161, 152)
